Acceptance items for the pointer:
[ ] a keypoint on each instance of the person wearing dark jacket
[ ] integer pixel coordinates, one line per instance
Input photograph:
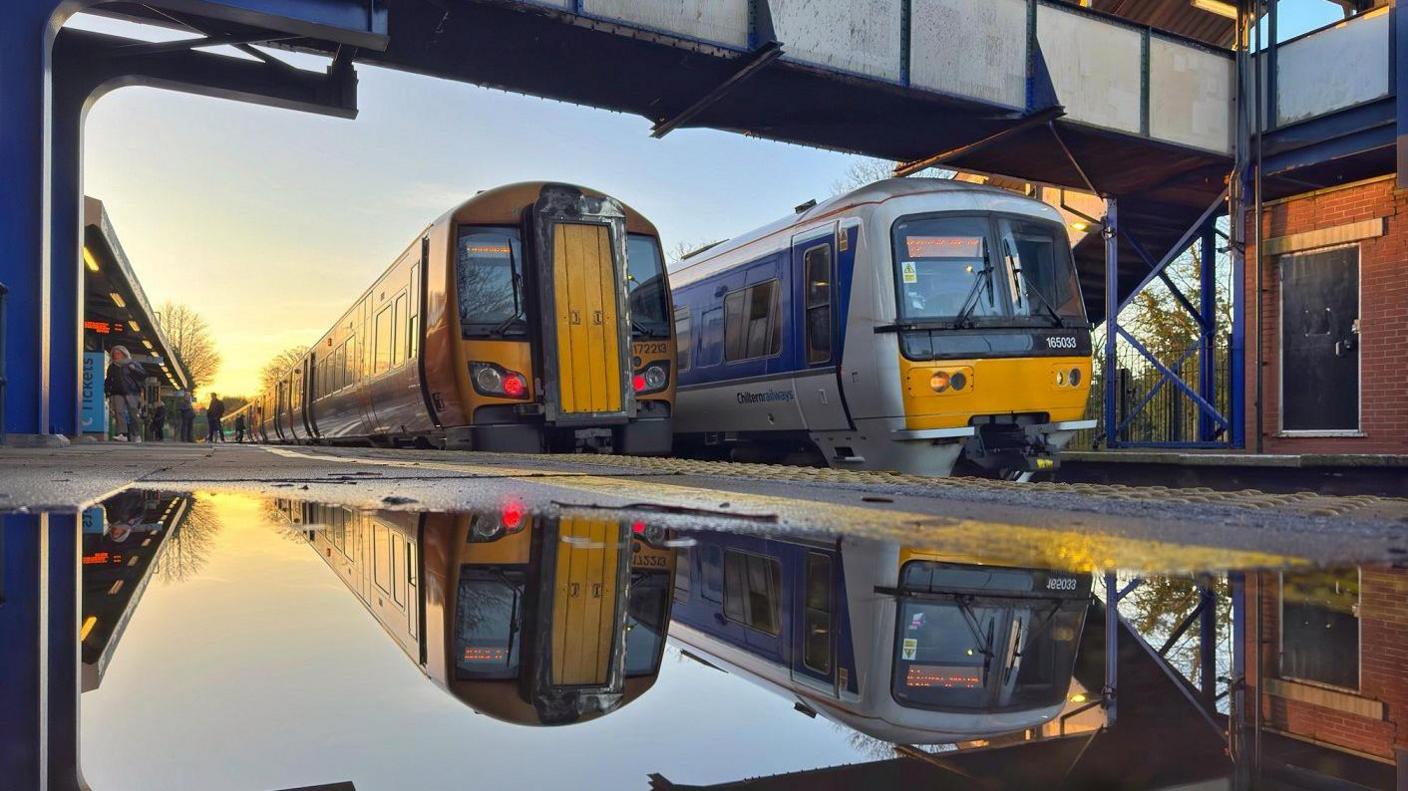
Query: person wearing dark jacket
(159, 422)
(239, 427)
(213, 413)
(122, 384)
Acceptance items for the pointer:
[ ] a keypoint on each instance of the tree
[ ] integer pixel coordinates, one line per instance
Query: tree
(867, 170)
(190, 338)
(681, 249)
(277, 367)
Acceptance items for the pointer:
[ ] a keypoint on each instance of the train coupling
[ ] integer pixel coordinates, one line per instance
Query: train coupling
(1010, 447)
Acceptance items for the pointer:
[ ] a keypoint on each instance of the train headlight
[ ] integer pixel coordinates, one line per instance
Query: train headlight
(957, 380)
(1060, 377)
(1075, 377)
(939, 381)
(652, 379)
(494, 380)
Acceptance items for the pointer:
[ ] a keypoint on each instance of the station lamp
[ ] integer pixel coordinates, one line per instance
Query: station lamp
(117, 299)
(1219, 7)
(134, 325)
(149, 346)
(89, 260)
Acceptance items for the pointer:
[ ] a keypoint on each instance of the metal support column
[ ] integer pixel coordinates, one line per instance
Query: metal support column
(23, 747)
(1207, 646)
(1238, 730)
(1207, 310)
(1112, 302)
(63, 647)
(1110, 694)
(25, 39)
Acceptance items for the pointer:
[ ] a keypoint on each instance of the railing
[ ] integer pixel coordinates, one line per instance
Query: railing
(1152, 412)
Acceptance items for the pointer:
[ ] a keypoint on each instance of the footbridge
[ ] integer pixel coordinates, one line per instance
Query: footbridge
(1167, 127)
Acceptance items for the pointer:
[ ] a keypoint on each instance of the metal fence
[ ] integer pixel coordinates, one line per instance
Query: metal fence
(1150, 410)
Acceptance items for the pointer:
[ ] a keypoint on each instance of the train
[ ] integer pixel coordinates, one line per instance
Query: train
(532, 620)
(901, 643)
(918, 325)
(531, 317)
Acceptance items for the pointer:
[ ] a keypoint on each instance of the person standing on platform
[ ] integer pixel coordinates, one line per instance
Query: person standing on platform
(159, 422)
(213, 413)
(239, 428)
(123, 387)
(186, 412)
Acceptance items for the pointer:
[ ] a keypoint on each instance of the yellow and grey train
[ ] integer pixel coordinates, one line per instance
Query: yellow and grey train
(534, 316)
(911, 324)
(528, 619)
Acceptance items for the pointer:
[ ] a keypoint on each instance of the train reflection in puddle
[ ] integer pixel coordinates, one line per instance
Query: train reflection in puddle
(554, 620)
(530, 619)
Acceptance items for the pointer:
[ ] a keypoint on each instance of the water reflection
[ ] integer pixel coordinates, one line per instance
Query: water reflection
(206, 625)
(542, 620)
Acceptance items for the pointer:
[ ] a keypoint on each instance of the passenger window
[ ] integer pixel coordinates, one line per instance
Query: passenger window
(713, 574)
(684, 340)
(398, 321)
(383, 341)
(397, 550)
(752, 591)
(817, 263)
(816, 634)
(751, 328)
(381, 557)
(711, 337)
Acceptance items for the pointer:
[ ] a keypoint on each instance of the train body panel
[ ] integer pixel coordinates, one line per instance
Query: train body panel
(456, 343)
(817, 327)
(844, 630)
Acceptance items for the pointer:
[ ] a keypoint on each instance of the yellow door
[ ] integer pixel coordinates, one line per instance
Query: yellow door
(584, 601)
(588, 340)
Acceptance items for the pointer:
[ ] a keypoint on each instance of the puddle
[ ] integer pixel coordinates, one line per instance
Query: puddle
(235, 641)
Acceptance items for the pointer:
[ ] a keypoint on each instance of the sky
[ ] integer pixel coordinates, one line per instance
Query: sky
(269, 222)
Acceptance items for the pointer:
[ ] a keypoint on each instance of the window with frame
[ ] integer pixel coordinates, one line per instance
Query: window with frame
(752, 591)
(751, 325)
(1320, 627)
(816, 635)
(398, 320)
(684, 560)
(816, 263)
(684, 339)
(385, 339)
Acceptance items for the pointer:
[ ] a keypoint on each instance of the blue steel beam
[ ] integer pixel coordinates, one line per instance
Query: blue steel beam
(1112, 313)
(1207, 305)
(1399, 44)
(1172, 377)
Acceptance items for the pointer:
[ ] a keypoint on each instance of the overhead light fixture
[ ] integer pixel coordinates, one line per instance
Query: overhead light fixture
(118, 300)
(90, 260)
(1219, 7)
(148, 344)
(1080, 225)
(133, 324)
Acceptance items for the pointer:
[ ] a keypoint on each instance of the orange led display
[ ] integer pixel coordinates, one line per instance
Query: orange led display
(473, 654)
(941, 676)
(944, 246)
(494, 249)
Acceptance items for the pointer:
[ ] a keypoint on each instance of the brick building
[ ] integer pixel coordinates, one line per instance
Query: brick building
(1332, 667)
(1334, 325)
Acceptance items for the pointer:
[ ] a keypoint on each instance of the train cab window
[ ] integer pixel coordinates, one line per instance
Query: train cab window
(1040, 269)
(385, 336)
(752, 591)
(816, 627)
(684, 339)
(488, 623)
(489, 279)
(817, 263)
(646, 622)
(751, 326)
(944, 268)
(648, 289)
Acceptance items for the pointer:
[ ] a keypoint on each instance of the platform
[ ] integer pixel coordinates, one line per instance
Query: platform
(1345, 474)
(1137, 528)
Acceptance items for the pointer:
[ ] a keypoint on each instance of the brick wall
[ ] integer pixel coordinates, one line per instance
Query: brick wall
(1383, 313)
(1383, 624)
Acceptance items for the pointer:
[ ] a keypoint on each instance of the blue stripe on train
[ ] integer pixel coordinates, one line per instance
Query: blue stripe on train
(705, 301)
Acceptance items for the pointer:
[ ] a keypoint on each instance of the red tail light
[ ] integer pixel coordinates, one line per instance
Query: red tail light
(638, 382)
(512, 516)
(514, 386)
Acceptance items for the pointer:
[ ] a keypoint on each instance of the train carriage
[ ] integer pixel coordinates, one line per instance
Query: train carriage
(533, 316)
(912, 324)
(901, 643)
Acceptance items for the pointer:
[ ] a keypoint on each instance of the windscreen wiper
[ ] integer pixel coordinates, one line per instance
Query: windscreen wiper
(1016, 266)
(970, 302)
(985, 643)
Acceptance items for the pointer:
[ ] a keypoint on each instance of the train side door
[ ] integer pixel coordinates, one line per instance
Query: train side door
(280, 408)
(814, 615)
(310, 379)
(816, 344)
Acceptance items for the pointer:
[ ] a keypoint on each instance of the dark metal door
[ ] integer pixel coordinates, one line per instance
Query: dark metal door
(1320, 341)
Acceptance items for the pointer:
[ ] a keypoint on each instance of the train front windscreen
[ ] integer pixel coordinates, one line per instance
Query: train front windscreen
(990, 639)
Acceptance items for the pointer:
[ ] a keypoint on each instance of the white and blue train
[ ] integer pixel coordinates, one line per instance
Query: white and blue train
(908, 325)
(901, 643)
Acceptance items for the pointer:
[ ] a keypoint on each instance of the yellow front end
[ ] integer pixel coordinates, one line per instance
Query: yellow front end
(950, 393)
